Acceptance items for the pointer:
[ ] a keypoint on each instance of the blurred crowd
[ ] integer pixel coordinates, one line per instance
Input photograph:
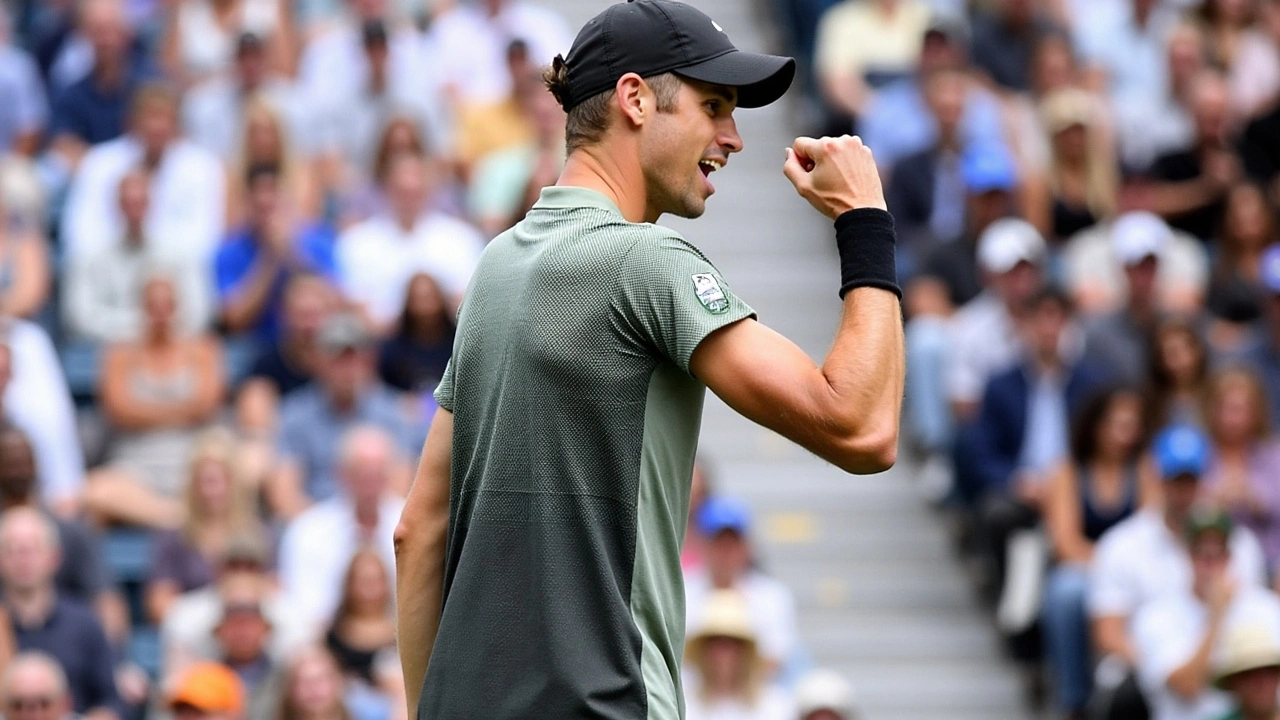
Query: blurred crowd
(1086, 196)
(234, 235)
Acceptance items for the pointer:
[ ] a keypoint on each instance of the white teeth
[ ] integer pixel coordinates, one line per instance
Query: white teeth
(713, 164)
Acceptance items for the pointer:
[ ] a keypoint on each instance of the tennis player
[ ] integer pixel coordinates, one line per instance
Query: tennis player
(538, 554)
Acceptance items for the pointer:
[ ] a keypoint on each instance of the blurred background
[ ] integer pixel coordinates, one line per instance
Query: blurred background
(235, 232)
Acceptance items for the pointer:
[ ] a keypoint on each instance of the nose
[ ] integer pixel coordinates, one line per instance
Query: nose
(729, 140)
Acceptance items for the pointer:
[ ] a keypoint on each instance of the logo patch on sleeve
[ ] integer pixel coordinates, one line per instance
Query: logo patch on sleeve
(709, 293)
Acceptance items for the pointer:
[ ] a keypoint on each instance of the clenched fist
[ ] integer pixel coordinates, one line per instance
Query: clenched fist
(834, 174)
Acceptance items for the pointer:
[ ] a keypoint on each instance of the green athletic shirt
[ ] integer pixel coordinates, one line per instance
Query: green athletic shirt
(575, 426)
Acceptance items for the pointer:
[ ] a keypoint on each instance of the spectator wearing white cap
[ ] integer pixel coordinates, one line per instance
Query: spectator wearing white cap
(983, 333)
(1248, 668)
(1100, 264)
(825, 695)
(726, 675)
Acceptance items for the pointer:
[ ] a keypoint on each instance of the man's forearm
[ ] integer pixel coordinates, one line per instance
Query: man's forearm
(420, 548)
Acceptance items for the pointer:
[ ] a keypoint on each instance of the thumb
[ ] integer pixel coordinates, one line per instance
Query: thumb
(795, 171)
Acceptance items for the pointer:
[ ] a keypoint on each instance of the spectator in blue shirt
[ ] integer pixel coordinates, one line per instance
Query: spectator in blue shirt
(1264, 357)
(314, 419)
(95, 109)
(63, 628)
(254, 265)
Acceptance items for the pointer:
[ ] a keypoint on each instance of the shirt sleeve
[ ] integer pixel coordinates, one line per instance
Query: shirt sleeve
(670, 298)
(1111, 591)
(31, 108)
(444, 391)
(1165, 641)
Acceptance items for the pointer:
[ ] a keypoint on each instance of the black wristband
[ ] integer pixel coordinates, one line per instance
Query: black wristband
(865, 239)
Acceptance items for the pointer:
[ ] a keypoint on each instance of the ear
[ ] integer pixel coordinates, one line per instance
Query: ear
(634, 99)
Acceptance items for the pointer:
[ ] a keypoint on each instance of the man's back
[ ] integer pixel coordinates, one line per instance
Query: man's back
(574, 436)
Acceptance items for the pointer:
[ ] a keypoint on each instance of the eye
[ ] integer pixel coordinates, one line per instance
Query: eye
(713, 106)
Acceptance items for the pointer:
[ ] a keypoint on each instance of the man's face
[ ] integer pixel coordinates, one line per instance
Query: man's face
(1180, 495)
(33, 694)
(1142, 279)
(135, 198)
(251, 67)
(243, 634)
(1255, 691)
(1048, 321)
(106, 28)
(27, 559)
(944, 94)
(17, 466)
(728, 557)
(1209, 558)
(347, 372)
(675, 146)
(305, 309)
(1018, 284)
(365, 471)
(156, 126)
(1211, 107)
(987, 207)
(407, 187)
(264, 200)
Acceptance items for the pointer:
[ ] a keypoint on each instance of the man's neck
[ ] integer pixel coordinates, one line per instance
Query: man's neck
(366, 512)
(133, 238)
(31, 607)
(109, 73)
(619, 180)
(342, 402)
(1174, 523)
(406, 221)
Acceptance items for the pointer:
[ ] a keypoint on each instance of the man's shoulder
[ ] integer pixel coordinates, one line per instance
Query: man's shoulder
(301, 405)
(71, 612)
(1128, 535)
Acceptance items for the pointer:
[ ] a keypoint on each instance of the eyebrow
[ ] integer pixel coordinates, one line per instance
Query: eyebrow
(728, 94)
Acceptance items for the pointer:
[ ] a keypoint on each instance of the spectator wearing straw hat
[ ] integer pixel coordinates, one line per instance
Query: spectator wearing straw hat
(1249, 669)
(727, 675)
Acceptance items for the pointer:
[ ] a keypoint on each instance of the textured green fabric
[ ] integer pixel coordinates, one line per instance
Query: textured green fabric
(575, 428)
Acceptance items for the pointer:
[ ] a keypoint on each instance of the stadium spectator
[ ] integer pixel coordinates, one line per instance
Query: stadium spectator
(81, 575)
(187, 634)
(24, 264)
(359, 189)
(200, 36)
(265, 141)
(34, 397)
(1102, 484)
(1179, 376)
(1260, 151)
(363, 625)
(313, 688)
(43, 620)
(728, 566)
(1144, 558)
(390, 80)
(1120, 340)
(26, 114)
(94, 108)
(157, 393)
(1053, 70)
(243, 635)
(376, 258)
(984, 332)
(1178, 635)
(1264, 356)
(825, 695)
(1188, 186)
(694, 550)
(254, 264)
(34, 687)
(897, 122)
(102, 290)
(1249, 59)
(213, 111)
(1236, 296)
(187, 184)
(1248, 668)
(1005, 39)
(314, 420)
(863, 46)
(255, 426)
(413, 359)
(504, 184)
(1081, 185)
(492, 127)
(319, 543)
(208, 691)
(216, 506)
(292, 360)
(727, 676)
(471, 40)
(1244, 478)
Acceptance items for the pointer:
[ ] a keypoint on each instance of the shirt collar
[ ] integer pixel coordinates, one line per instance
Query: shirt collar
(560, 197)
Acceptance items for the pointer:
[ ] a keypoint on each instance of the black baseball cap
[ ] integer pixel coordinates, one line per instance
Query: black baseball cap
(652, 37)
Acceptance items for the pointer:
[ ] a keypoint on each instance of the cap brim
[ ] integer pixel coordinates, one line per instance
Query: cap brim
(760, 79)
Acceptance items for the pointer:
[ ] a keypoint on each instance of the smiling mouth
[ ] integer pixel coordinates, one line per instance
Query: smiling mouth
(709, 166)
